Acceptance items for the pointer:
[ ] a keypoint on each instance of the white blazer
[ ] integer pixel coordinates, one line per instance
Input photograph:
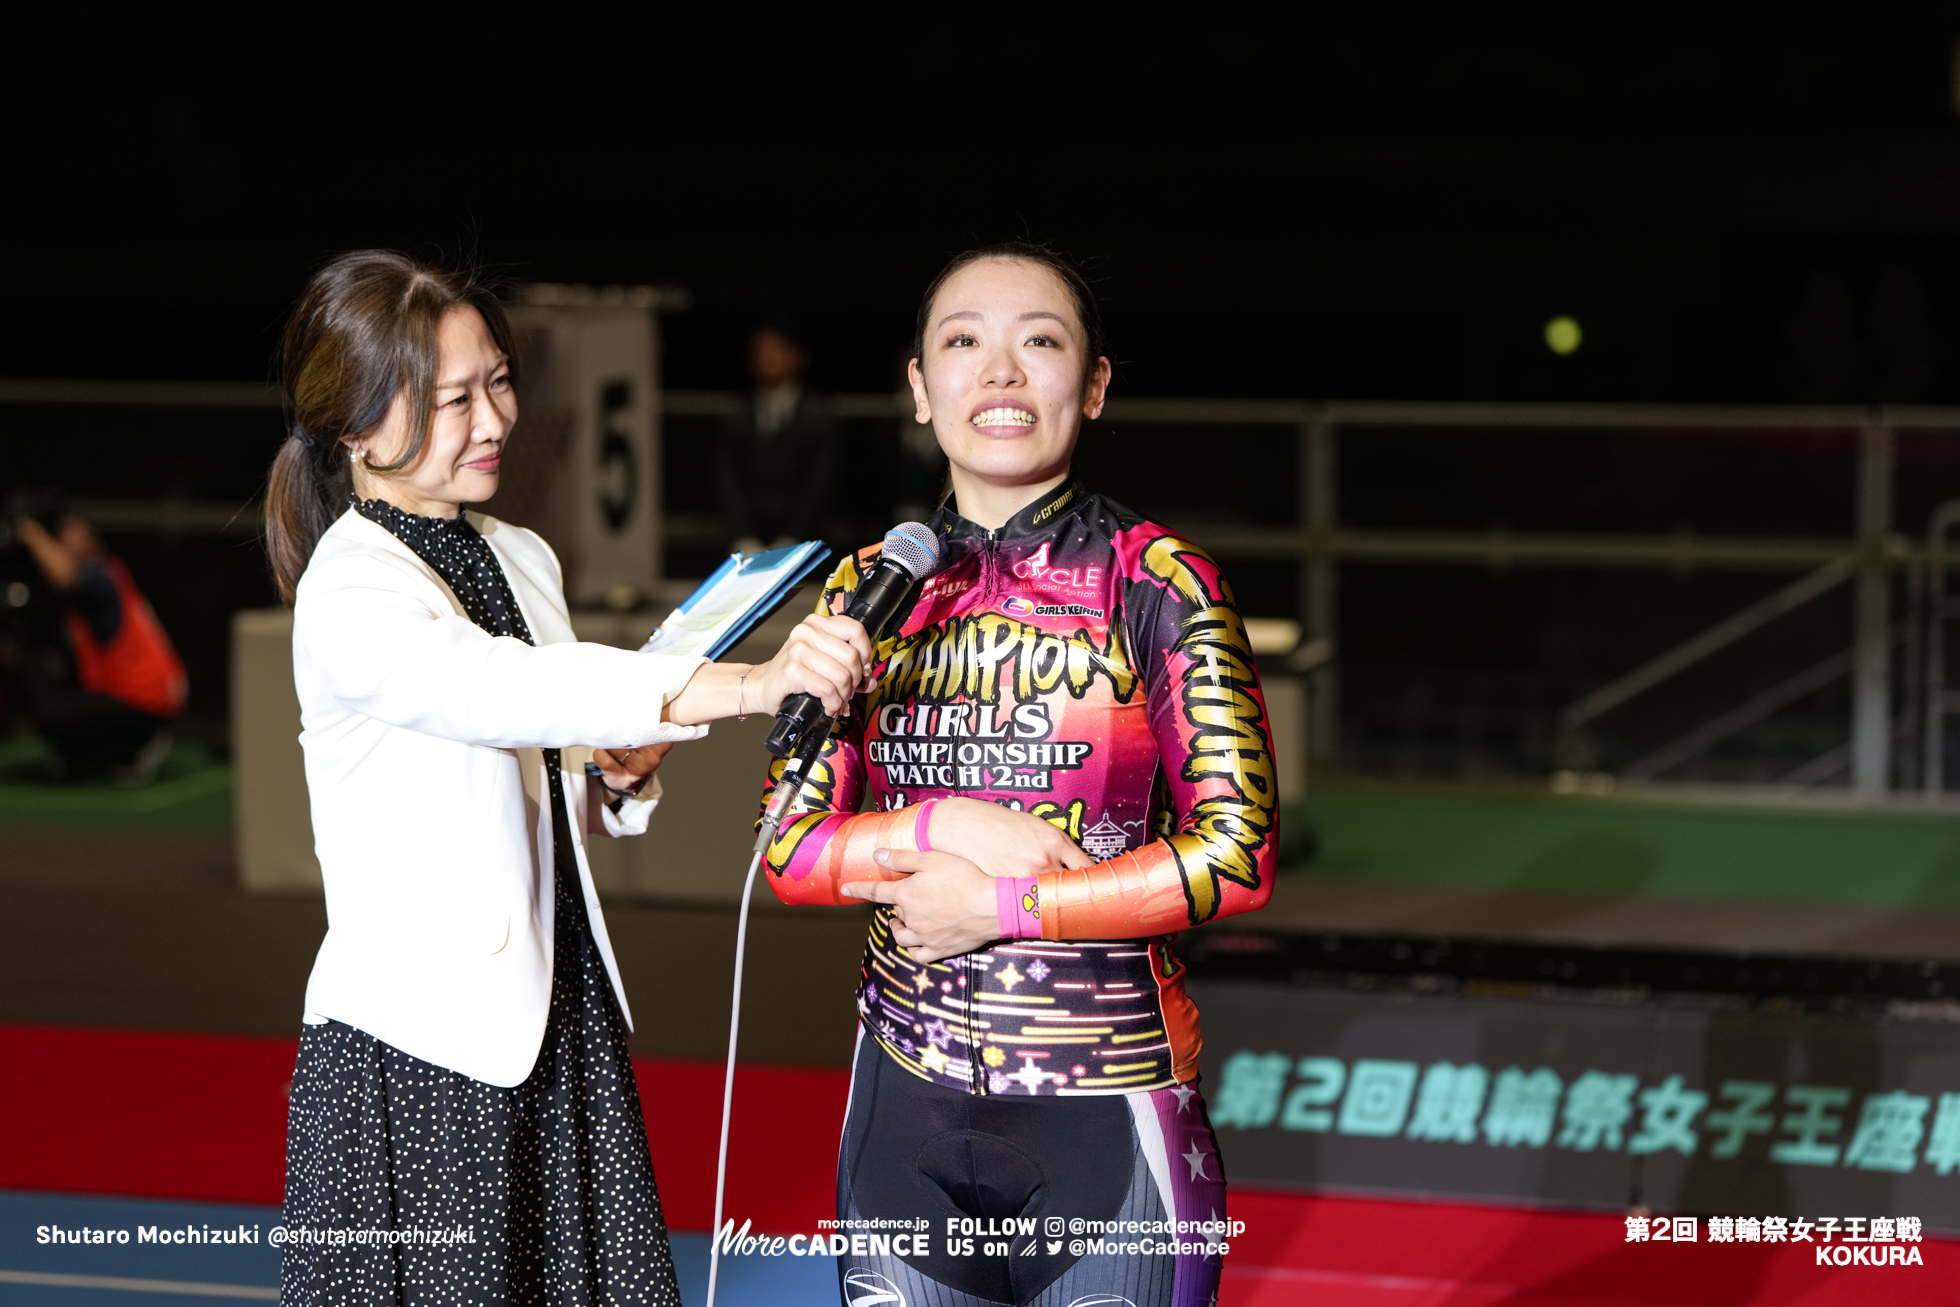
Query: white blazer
(431, 813)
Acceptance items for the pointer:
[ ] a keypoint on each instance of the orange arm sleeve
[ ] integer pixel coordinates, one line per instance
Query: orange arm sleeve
(840, 852)
(1209, 719)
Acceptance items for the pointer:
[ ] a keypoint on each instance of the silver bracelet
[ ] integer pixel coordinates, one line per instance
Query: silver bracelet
(741, 716)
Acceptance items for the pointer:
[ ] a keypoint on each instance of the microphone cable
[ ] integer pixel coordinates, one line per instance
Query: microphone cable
(911, 553)
(774, 813)
(728, 1077)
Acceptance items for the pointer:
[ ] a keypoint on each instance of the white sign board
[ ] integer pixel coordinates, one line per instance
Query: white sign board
(592, 359)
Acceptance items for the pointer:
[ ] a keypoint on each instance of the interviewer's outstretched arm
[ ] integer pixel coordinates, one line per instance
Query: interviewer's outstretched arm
(825, 656)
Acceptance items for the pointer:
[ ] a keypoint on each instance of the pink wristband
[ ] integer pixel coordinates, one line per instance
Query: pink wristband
(1018, 900)
(922, 827)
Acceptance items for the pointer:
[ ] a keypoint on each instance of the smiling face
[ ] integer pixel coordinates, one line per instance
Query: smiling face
(1005, 378)
(475, 408)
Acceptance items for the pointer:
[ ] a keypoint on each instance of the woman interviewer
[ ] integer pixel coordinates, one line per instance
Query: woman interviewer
(463, 1082)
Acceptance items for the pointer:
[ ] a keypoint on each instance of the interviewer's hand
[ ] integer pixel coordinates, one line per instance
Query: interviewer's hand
(1001, 841)
(945, 907)
(824, 656)
(628, 769)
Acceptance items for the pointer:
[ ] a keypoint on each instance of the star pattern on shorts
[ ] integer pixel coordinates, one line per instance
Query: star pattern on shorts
(1031, 1076)
(1184, 1095)
(1009, 977)
(1196, 1157)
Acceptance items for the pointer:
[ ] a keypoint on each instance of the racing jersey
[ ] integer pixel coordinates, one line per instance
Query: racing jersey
(1092, 668)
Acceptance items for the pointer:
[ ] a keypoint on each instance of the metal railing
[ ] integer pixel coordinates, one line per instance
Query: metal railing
(1869, 560)
(1320, 544)
(1939, 608)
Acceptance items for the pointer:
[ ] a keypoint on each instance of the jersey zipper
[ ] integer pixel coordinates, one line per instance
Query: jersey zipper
(976, 1073)
(976, 1076)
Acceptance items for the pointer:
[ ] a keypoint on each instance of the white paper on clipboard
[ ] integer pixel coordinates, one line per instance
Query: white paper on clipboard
(729, 604)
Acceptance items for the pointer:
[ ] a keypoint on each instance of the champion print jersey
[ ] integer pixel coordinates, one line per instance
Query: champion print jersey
(1087, 666)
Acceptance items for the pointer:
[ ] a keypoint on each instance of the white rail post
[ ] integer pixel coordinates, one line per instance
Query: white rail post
(1871, 680)
(1320, 508)
(1938, 609)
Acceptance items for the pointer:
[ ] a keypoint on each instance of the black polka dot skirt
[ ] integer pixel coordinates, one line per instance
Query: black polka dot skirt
(551, 1179)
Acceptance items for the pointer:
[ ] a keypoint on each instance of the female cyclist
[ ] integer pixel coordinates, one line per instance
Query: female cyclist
(1066, 753)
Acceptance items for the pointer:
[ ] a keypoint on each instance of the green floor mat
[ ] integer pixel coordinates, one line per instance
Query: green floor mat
(1373, 832)
(192, 789)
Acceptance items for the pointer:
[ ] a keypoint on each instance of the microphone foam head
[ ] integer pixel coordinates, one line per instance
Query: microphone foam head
(914, 547)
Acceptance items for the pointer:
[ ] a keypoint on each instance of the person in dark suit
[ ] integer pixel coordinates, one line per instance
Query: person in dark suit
(776, 460)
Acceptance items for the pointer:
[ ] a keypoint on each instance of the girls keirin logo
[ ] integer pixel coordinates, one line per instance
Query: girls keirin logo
(1018, 606)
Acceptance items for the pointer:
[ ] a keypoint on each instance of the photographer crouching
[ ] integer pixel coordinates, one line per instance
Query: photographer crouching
(103, 704)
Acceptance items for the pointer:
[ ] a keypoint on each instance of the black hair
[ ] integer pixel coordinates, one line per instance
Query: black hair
(1041, 256)
(45, 504)
(782, 324)
(363, 333)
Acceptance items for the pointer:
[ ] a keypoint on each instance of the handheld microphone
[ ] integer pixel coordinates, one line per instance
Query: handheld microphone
(911, 554)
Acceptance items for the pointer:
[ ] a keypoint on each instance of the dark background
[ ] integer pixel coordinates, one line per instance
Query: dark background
(1378, 202)
(1293, 200)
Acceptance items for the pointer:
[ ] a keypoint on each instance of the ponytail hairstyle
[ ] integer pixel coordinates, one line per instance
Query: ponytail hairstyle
(1042, 256)
(362, 334)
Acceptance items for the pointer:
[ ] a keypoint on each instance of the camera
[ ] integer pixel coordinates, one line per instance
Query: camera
(30, 611)
(21, 582)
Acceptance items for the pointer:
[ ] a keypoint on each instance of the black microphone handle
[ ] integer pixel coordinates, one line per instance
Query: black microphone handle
(873, 605)
(792, 719)
(795, 772)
